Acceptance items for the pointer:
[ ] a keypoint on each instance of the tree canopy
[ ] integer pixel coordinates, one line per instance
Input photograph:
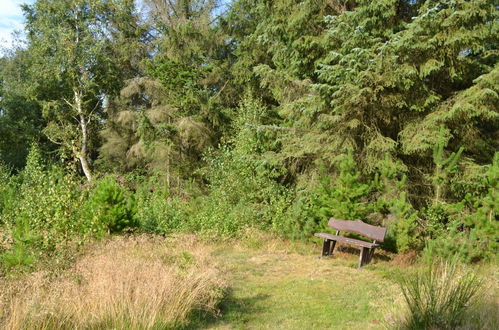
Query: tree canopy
(297, 110)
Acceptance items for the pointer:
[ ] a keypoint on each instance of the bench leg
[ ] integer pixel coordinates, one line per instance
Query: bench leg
(371, 254)
(332, 248)
(326, 247)
(364, 257)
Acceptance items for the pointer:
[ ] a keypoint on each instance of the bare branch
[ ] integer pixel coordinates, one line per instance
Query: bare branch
(69, 103)
(92, 112)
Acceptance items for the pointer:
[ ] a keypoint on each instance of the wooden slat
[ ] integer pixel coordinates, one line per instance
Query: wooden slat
(346, 240)
(359, 227)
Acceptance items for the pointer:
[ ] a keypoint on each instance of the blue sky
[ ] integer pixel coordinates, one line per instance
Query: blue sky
(11, 19)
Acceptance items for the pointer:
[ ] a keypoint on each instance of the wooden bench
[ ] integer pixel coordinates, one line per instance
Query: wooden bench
(377, 234)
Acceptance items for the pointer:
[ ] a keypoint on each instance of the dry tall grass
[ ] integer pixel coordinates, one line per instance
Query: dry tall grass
(126, 283)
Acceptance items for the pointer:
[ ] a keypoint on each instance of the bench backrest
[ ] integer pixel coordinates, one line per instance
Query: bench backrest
(359, 227)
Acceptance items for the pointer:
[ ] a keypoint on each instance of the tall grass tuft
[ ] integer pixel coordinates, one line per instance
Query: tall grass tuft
(128, 283)
(440, 296)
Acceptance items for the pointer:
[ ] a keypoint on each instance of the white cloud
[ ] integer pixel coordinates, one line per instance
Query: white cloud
(11, 19)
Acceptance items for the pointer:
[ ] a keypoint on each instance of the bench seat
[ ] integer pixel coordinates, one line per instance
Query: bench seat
(348, 240)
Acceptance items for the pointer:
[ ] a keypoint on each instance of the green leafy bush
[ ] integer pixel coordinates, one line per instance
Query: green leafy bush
(244, 179)
(158, 212)
(242, 193)
(49, 200)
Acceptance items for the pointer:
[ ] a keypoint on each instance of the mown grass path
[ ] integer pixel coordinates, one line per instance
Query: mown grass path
(290, 288)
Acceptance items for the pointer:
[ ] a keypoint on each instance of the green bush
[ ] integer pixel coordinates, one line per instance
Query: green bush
(468, 229)
(244, 191)
(8, 188)
(342, 196)
(110, 207)
(391, 198)
(440, 296)
(159, 213)
(21, 254)
(49, 200)
(244, 180)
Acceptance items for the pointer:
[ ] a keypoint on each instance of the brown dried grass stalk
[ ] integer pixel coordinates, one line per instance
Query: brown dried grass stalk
(141, 283)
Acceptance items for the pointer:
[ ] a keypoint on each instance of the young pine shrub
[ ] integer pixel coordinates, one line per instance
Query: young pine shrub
(20, 254)
(403, 234)
(110, 207)
(439, 297)
(342, 196)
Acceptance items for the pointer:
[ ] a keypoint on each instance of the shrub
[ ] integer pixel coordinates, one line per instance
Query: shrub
(159, 213)
(342, 197)
(468, 229)
(243, 190)
(20, 255)
(110, 207)
(439, 297)
(48, 200)
(8, 186)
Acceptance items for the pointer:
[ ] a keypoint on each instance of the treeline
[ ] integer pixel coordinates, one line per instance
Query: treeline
(213, 117)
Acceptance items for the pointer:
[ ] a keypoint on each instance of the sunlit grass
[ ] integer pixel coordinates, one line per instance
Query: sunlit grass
(257, 281)
(127, 283)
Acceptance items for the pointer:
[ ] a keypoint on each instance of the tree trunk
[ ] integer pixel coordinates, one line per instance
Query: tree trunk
(84, 140)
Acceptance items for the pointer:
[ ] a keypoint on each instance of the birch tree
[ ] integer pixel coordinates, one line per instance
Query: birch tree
(75, 69)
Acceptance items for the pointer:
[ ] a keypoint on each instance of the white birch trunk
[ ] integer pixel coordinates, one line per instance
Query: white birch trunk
(84, 139)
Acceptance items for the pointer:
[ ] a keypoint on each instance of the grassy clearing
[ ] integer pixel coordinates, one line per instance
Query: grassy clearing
(282, 285)
(258, 282)
(278, 284)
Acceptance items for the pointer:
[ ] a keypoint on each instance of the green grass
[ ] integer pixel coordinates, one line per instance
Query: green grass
(290, 288)
(274, 284)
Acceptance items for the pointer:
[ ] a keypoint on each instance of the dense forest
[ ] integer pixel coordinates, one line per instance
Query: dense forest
(199, 116)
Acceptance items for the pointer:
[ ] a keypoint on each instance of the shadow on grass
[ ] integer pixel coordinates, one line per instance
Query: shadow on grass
(352, 250)
(233, 310)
